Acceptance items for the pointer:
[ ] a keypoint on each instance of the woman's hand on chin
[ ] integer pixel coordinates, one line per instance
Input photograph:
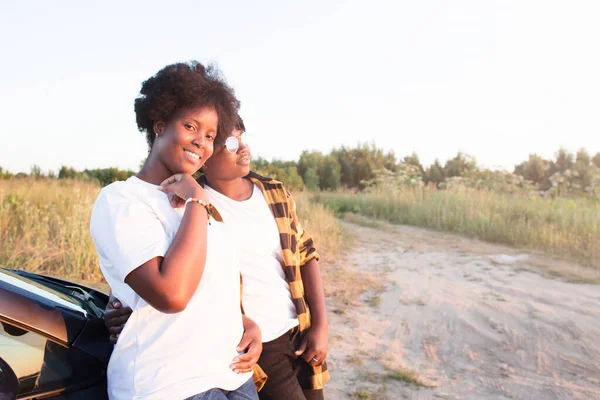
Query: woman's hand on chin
(181, 187)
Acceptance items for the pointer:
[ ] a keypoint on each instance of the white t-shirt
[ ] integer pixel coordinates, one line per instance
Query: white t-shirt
(158, 355)
(266, 293)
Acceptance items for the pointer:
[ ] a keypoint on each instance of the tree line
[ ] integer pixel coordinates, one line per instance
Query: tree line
(104, 176)
(366, 165)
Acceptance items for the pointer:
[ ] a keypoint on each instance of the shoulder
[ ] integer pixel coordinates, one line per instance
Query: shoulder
(266, 183)
(120, 199)
(111, 193)
(122, 191)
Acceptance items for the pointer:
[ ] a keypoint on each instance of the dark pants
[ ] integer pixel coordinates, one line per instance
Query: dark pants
(285, 371)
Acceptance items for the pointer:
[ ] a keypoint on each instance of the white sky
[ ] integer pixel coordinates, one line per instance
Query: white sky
(495, 79)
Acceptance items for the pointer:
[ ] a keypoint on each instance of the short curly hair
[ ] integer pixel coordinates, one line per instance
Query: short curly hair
(184, 85)
(239, 124)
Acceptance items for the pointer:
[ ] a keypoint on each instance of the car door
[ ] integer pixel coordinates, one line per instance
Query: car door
(9, 384)
(45, 369)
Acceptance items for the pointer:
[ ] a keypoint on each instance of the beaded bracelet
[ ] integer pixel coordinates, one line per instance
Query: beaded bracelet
(211, 211)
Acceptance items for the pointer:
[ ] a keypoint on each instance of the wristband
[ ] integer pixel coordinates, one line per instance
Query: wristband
(195, 200)
(211, 211)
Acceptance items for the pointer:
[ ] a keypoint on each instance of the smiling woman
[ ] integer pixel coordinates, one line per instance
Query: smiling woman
(183, 143)
(170, 265)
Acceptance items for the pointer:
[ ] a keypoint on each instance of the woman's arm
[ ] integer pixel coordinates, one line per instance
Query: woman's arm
(168, 283)
(314, 346)
(314, 293)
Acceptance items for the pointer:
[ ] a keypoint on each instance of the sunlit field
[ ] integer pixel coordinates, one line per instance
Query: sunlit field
(44, 224)
(44, 227)
(566, 227)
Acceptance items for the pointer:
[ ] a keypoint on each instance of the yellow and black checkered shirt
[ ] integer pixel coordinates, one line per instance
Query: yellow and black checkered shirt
(297, 250)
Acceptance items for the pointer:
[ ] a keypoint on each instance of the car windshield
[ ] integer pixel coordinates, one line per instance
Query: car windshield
(47, 289)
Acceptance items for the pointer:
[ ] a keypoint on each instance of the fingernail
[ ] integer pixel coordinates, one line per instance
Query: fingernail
(117, 304)
(236, 359)
(160, 188)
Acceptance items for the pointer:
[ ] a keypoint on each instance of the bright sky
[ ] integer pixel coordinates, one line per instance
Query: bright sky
(495, 79)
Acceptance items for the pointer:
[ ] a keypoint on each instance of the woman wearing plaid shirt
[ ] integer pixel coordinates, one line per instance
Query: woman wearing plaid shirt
(281, 279)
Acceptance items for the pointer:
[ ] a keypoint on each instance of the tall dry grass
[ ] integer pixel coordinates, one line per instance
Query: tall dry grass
(342, 281)
(44, 227)
(44, 224)
(321, 223)
(560, 226)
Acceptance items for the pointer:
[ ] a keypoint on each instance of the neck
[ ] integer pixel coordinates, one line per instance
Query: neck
(238, 189)
(153, 171)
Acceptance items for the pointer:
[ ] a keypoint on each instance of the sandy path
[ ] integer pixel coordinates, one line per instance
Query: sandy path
(469, 318)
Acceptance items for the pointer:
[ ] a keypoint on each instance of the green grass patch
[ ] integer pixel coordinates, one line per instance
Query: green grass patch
(404, 375)
(560, 226)
(362, 395)
(374, 301)
(354, 360)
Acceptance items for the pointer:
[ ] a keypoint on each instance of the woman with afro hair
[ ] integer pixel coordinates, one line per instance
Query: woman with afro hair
(281, 280)
(176, 267)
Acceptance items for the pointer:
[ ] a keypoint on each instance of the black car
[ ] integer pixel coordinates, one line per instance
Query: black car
(53, 343)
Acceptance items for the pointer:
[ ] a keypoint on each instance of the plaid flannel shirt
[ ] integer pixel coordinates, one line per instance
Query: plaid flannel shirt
(297, 250)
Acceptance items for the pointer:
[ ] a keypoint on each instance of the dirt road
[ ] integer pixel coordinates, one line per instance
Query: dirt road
(455, 318)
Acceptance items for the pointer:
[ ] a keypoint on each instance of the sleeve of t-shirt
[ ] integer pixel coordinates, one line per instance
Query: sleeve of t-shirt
(126, 232)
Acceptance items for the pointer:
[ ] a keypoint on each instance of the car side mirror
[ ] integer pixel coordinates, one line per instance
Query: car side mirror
(9, 384)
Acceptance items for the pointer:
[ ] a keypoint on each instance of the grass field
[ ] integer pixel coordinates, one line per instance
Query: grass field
(563, 227)
(44, 227)
(44, 224)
